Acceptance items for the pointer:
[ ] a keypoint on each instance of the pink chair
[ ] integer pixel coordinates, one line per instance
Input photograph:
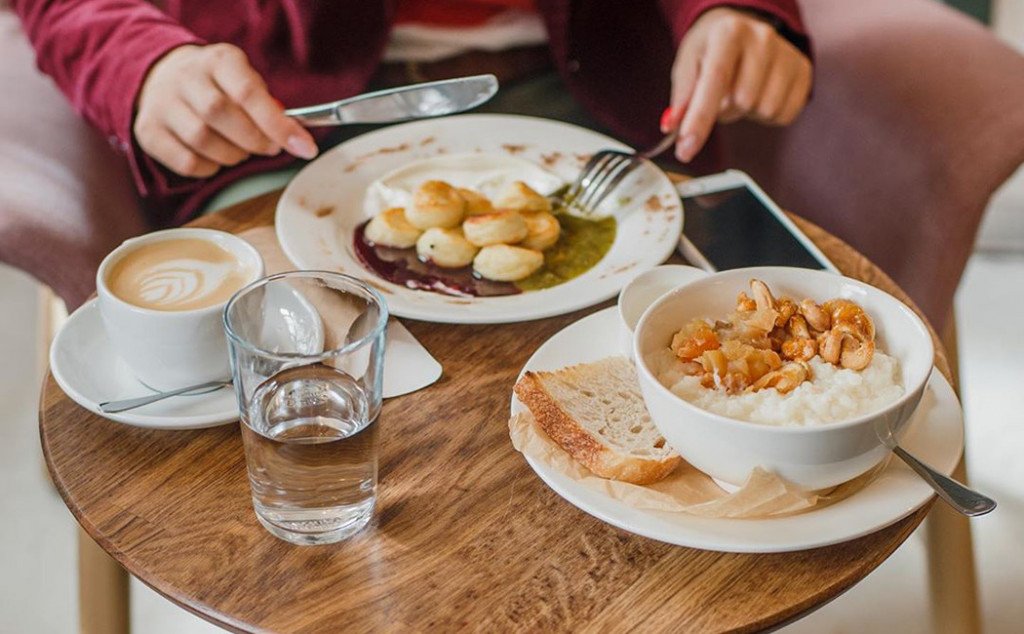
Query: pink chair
(915, 121)
(65, 198)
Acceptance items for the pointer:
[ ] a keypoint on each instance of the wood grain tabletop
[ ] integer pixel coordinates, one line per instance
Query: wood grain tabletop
(465, 536)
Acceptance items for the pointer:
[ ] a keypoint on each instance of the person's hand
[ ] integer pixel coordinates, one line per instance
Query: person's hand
(733, 65)
(204, 107)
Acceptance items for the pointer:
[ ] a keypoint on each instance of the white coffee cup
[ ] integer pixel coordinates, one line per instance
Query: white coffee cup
(168, 349)
(643, 291)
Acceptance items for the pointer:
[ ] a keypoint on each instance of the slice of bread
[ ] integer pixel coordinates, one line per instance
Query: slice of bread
(594, 411)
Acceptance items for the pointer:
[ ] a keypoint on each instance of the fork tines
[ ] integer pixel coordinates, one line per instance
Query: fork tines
(600, 176)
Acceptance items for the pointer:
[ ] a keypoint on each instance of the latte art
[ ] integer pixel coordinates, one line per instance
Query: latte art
(182, 274)
(182, 283)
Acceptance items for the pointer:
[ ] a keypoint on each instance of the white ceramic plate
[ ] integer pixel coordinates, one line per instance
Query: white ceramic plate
(935, 436)
(324, 203)
(86, 367)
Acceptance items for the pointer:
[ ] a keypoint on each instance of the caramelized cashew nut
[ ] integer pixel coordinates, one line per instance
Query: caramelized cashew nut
(787, 309)
(799, 349)
(784, 380)
(856, 354)
(797, 327)
(851, 318)
(762, 296)
(815, 315)
(830, 346)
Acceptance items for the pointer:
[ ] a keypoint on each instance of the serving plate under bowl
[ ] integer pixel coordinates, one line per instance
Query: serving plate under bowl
(934, 434)
(321, 207)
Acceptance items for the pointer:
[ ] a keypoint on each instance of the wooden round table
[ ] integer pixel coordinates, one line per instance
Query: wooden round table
(465, 534)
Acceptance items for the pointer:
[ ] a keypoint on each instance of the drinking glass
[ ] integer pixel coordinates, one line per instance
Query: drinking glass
(307, 359)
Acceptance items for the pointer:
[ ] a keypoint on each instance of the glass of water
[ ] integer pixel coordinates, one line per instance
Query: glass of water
(307, 359)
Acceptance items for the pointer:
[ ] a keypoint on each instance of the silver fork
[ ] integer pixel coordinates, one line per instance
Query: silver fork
(605, 171)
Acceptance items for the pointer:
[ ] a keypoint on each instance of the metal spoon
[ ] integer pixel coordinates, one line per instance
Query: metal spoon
(113, 407)
(965, 500)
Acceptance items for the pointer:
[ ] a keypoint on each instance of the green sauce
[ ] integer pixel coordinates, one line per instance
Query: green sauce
(580, 246)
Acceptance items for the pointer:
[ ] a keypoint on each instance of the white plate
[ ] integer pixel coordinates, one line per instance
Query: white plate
(324, 203)
(89, 371)
(935, 436)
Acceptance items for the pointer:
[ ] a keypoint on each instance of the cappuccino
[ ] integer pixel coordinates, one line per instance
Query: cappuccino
(177, 274)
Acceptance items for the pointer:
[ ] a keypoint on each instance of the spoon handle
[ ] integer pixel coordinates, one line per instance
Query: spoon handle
(967, 501)
(113, 407)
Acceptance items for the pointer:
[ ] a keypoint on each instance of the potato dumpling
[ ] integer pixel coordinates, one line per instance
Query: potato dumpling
(476, 203)
(521, 197)
(501, 227)
(390, 228)
(436, 204)
(543, 231)
(446, 248)
(505, 263)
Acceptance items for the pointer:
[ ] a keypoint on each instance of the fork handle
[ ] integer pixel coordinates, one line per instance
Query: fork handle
(662, 145)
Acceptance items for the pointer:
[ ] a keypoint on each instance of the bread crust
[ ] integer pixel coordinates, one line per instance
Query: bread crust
(581, 444)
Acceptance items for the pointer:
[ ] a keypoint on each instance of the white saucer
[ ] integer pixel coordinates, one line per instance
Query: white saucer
(89, 371)
(935, 435)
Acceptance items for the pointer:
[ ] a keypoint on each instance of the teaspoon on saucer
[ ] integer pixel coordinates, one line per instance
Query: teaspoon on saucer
(113, 407)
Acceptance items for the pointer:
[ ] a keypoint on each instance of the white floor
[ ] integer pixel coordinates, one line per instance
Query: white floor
(37, 534)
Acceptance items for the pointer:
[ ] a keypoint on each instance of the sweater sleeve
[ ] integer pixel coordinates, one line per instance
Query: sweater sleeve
(784, 14)
(98, 52)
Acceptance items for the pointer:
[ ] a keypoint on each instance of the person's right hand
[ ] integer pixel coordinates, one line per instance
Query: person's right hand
(204, 107)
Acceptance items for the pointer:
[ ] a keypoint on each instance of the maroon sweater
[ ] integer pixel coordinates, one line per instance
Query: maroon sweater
(615, 57)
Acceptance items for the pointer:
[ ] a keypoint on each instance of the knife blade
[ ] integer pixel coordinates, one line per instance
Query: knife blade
(417, 101)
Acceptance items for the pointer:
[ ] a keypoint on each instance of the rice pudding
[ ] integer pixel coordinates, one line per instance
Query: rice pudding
(835, 394)
(777, 361)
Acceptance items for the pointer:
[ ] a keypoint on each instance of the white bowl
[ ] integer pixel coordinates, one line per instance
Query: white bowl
(811, 457)
(643, 291)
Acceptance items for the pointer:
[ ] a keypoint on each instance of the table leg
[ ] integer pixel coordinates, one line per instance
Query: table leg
(102, 582)
(102, 590)
(52, 315)
(952, 582)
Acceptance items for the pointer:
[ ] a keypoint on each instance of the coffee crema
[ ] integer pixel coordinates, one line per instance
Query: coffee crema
(177, 274)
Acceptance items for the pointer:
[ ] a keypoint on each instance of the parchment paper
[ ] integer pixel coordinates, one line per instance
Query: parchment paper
(685, 490)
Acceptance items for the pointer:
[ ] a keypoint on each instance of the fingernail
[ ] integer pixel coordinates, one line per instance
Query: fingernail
(666, 120)
(687, 148)
(303, 147)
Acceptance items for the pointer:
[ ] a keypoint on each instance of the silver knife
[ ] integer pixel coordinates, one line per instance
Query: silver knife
(432, 99)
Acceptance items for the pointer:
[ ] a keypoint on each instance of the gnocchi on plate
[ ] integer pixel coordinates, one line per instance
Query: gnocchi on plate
(454, 227)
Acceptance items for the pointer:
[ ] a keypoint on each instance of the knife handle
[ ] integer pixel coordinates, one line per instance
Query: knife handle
(315, 116)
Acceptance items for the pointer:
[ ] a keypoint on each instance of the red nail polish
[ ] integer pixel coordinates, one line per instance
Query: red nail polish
(666, 119)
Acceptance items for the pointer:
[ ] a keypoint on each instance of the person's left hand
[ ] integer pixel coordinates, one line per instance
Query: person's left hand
(733, 65)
